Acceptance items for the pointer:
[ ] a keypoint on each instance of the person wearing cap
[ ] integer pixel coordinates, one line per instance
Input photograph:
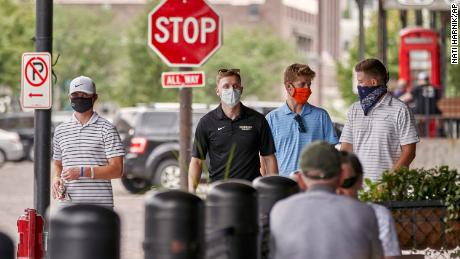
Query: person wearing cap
(87, 151)
(297, 123)
(423, 99)
(233, 135)
(350, 183)
(319, 223)
(380, 129)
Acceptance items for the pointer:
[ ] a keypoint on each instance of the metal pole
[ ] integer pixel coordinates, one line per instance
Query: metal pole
(433, 20)
(360, 4)
(418, 18)
(382, 33)
(320, 50)
(42, 137)
(185, 133)
(403, 18)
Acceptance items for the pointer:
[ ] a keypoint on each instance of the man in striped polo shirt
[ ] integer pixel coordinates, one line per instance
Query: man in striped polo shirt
(297, 123)
(380, 129)
(87, 150)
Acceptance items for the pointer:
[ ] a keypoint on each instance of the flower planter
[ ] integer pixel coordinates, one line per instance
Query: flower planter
(420, 225)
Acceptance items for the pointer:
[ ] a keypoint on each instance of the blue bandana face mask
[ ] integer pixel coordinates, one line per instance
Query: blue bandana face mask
(370, 95)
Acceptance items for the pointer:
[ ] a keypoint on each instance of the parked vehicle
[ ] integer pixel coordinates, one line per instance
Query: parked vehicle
(21, 123)
(11, 148)
(151, 138)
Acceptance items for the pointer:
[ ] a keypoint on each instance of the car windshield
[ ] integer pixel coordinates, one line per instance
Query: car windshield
(17, 121)
(163, 122)
(157, 123)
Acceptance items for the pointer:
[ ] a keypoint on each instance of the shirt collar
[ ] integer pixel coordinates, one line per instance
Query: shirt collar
(306, 109)
(221, 115)
(386, 99)
(321, 188)
(92, 120)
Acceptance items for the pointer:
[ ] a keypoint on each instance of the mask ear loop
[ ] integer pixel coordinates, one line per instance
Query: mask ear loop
(293, 87)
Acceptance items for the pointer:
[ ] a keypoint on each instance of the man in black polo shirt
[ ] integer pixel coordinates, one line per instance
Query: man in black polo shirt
(233, 135)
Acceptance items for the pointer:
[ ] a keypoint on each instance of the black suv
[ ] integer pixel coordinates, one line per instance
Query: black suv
(151, 138)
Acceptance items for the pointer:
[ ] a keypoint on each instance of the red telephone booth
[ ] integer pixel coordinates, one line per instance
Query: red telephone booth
(419, 52)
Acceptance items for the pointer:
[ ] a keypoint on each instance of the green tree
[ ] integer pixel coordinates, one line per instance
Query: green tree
(344, 70)
(142, 70)
(261, 59)
(87, 44)
(17, 27)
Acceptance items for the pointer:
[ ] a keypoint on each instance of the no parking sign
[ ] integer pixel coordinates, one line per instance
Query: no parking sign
(36, 80)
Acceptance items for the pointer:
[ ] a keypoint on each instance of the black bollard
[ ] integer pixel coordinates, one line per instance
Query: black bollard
(6, 247)
(270, 190)
(174, 226)
(84, 232)
(231, 220)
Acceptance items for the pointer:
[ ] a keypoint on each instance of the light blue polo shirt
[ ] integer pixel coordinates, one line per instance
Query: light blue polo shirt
(289, 141)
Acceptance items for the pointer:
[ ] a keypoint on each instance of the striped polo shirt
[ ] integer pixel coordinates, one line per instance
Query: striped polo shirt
(377, 138)
(92, 144)
(290, 142)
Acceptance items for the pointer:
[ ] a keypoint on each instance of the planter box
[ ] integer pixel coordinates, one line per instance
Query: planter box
(420, 225)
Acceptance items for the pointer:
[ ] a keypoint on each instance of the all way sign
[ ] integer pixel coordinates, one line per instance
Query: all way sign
(36, 80)
(182, 79)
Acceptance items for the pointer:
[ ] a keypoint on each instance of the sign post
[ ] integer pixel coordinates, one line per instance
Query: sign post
(42, 137)
(184, 33)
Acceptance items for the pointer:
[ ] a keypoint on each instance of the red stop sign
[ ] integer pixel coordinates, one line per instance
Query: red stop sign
(184, 33)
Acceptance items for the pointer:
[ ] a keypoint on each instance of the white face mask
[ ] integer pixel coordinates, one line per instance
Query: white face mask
(230, 97)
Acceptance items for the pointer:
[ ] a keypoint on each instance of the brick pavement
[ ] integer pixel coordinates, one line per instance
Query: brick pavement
(16, 194)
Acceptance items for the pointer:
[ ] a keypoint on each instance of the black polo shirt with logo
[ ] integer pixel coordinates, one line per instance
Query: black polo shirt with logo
(233, 145)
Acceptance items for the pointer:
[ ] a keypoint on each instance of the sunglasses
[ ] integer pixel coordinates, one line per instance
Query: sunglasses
(349, 182)
(225, 70)
(301, 126)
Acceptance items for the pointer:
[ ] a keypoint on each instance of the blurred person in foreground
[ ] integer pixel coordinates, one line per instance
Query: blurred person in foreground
(380, 129)
(319, 223)
(87, 151)
(233, 135)
(297, 123)
(351, 183)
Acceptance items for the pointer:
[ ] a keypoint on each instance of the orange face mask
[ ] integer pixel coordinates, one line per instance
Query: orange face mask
(301, 95)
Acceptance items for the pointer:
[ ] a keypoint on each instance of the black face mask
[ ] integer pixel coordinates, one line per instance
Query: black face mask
(81, 104)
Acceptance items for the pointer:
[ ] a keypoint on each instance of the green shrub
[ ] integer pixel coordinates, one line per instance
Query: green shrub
(405, 184)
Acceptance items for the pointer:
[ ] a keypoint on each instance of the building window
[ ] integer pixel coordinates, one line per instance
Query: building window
(253, 10)
(303, 44)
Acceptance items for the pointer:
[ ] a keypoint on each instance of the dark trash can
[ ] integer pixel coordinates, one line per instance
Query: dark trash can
(231, 220)
(174, 226)
(270, 190)
(84, 232)
(6, 247)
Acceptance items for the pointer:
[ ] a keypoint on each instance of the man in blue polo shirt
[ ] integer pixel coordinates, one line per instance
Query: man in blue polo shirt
(297, 123)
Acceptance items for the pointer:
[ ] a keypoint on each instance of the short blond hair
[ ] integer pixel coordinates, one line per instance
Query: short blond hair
(224, 72)
(295, 71)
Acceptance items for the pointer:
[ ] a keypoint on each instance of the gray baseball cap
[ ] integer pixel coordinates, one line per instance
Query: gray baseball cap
(82, 84)
(320, 160)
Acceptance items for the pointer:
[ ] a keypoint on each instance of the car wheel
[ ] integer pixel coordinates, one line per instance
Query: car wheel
(2, 158)
(134, 184)
(168, 174)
